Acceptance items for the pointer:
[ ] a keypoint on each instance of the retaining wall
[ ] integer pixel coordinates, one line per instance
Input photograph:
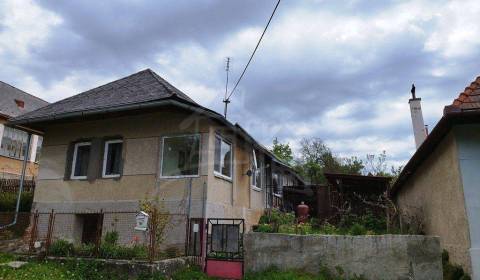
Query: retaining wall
(375, 257)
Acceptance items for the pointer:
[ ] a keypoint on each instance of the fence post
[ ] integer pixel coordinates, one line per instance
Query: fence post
(49, 232)
(153, 232)
(98, 234)
(33, 233)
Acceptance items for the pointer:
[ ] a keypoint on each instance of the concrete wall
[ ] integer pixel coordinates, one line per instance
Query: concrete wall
(468, 144)
(435, 194)
(374, 257)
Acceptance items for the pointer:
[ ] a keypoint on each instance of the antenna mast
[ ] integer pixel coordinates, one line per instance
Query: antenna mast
(226, 100)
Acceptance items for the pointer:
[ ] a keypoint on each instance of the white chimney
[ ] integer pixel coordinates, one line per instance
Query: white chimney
(419, 130)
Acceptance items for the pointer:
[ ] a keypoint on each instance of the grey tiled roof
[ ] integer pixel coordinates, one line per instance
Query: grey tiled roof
(144, 86)
(8, 106)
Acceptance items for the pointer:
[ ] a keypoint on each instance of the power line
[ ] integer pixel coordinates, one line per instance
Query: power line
(253, 53)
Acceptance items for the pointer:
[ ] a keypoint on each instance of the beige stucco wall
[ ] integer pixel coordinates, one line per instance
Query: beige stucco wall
(141, 179)
(141, 168)
(435, 193)
(233, 198)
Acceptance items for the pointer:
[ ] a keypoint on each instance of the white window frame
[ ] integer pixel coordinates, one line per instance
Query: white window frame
(199, 156)
(254, 172)
(74, 160)
(105, 154)
(219, 174)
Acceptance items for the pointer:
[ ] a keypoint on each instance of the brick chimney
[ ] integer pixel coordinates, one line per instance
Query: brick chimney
(419, 130)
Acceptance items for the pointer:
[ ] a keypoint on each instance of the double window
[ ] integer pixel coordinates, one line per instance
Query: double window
(13, 143)
(110, 163)
(223, 158)
(181, 156)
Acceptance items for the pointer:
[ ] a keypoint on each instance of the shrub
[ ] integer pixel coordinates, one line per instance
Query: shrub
(264, 228)
(8, 201)
(110, 251)
(452, 271)
(357, 229)
(62, 248)
(111, 237)
(85, 250)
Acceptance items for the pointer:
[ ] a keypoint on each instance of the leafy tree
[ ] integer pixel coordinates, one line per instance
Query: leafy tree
(317, 158)
(282, 151)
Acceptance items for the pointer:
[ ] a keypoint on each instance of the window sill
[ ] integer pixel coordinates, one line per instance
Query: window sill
(111, 176)
(81, 178)
(277, 195)
(257, 189)
(223, 177)
(179, 177)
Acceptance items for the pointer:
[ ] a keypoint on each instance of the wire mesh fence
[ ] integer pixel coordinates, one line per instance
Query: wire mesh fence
(101, 234)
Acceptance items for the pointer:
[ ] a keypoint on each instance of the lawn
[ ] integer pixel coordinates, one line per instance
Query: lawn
(79, 270)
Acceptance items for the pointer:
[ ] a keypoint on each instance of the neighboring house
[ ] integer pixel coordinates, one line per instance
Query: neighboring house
(441, 182)
(140, 138)
(13, 142)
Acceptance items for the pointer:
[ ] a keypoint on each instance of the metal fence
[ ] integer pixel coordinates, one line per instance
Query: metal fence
(101, 234)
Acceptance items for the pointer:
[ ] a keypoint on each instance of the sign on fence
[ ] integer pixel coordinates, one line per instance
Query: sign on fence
(142, 221)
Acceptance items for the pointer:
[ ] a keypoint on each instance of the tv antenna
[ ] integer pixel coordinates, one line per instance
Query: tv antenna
(225, 99)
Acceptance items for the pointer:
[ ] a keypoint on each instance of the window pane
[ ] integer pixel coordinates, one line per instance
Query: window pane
(114, 155)
(14, 143)
(180, 155)
(217, 157)
(223, 157)
(226, 163)
(81, 160)
(39, 148)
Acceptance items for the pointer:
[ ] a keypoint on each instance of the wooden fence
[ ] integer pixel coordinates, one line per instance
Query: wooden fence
(12, 185)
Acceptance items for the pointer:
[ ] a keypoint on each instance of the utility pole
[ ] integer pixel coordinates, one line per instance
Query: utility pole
(226, 100)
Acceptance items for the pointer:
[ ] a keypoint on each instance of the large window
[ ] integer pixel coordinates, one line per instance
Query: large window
(181, 156)
(81, 156)
(223, 158)
(112, 158)
(14, 143)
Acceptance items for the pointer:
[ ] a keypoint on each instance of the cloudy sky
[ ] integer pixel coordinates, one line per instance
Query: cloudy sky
(338, 70)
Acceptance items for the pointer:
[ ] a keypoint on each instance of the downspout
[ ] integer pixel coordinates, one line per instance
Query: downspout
(22, 179)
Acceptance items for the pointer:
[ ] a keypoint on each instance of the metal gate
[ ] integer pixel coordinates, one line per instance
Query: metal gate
(224, 258)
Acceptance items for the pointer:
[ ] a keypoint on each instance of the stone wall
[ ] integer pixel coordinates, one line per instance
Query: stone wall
(374, 257)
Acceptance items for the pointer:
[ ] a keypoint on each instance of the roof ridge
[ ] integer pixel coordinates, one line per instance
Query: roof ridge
(169, 87)
(24, 92)
(93, 89)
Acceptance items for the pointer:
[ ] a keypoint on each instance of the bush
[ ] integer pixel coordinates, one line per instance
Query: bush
(85, 250)
(110, 251)
(61, 248)
(452, 271)
(111, 237)
(8, 201)
(357, 229)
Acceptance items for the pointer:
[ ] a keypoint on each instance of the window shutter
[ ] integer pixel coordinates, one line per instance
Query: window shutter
(95, 163)
(68, 162)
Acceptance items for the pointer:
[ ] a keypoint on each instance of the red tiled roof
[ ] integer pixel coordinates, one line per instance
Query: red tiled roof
(469, 99)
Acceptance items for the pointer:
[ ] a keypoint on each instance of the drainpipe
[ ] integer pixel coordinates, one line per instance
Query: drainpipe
(22, 179)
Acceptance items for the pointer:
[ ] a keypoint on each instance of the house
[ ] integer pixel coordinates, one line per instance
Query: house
(13, 142)
(440, 184)
(140, 138)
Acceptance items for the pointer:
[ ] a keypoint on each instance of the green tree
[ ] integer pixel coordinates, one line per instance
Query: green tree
(317, 158)
(282, 151)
